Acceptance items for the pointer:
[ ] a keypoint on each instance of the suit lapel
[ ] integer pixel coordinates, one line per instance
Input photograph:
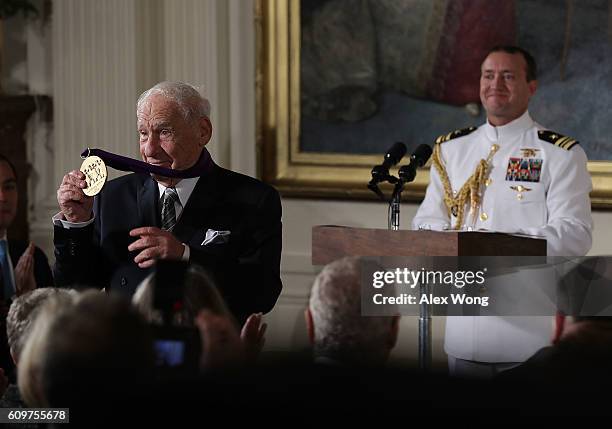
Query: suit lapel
(147, 203)
(202, 199)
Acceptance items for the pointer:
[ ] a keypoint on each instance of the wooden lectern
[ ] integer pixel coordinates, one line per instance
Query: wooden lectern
(333, 242)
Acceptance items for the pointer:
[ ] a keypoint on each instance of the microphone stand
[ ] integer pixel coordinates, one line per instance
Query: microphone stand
(407, 174)
(380, 173)
(394, 206)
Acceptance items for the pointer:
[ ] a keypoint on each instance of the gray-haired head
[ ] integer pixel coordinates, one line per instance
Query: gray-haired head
(199, 292)
(85, 347)
(341, 333)
(190, 100)
(23, 312)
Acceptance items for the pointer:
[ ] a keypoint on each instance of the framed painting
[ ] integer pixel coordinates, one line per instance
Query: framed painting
(340, 81)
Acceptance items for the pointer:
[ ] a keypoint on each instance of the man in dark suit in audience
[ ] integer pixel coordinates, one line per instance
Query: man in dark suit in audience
(26, 267)
(224, 221)
(23, 266)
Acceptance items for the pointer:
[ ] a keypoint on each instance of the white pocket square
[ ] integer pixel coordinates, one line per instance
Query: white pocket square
(215, 237)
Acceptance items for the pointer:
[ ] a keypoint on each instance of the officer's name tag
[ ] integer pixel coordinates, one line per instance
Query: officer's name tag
(95, 173)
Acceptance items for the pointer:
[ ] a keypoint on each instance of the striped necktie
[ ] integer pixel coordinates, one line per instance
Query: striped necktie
(9, 289)
(168, 216)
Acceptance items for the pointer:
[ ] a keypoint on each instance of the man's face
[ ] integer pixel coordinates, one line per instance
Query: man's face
(504, 90)
(8, 196)
(168, 139)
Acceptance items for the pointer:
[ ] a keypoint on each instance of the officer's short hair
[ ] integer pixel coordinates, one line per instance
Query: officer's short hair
(532, 68)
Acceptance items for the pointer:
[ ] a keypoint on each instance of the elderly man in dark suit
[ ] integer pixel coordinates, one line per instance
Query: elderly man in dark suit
(224, 221)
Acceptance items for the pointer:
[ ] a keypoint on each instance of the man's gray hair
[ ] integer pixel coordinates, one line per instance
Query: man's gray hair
(88, 344)
(23, 312)
(341, 332)
(190, 99)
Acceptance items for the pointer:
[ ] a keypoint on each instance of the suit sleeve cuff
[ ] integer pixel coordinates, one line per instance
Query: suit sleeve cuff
(58, 220)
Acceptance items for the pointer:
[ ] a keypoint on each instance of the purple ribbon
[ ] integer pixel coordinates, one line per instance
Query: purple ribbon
(124, 163)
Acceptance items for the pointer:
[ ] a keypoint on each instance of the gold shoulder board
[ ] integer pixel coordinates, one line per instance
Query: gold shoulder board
(557, 139)
(453, 135)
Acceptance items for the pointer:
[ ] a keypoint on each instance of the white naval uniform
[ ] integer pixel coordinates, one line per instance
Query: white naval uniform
(557, 207)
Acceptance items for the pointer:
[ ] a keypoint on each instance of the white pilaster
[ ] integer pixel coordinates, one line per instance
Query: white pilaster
(195, 47)
(94, 79)
(242, 86)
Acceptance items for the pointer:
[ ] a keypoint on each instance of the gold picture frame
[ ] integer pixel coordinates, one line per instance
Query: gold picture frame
(296, 173)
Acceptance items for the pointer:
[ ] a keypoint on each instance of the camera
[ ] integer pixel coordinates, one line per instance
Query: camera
(177, 348)
(177, 342)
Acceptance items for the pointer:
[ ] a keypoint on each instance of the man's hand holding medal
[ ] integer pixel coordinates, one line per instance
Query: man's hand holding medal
(75, 198)
(75, 194)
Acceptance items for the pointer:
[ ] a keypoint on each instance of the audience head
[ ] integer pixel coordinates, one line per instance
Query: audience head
(199, 292)
(591, 331)
(93, 348)
(577, 319)
(196, 302)
(335, 325)
(23, 312)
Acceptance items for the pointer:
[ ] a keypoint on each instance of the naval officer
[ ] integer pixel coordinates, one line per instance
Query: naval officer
(508, 175)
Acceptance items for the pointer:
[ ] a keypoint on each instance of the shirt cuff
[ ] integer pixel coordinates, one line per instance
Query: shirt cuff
(58, 220)
(186, 253)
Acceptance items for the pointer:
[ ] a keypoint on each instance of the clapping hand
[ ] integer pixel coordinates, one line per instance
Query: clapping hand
(252, 336)
(24, 272)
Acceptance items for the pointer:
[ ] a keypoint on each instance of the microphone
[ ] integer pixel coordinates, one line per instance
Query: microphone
(393, 155)
(380, 173)
(419, 157)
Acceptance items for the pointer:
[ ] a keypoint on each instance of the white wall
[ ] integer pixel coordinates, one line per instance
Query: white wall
(299, 216)
(106, 53)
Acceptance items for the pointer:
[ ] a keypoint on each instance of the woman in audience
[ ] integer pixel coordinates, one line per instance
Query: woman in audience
(197, 302)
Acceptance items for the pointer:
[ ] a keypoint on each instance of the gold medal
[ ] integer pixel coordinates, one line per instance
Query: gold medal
(95, 175)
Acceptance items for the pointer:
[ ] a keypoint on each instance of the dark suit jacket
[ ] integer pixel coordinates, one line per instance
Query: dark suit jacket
(246, 268)
(42, 274)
